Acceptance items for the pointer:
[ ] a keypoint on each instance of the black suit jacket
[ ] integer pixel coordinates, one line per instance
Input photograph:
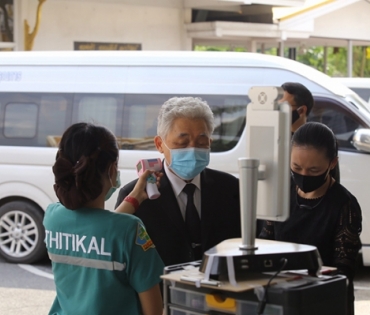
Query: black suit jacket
(220, 216)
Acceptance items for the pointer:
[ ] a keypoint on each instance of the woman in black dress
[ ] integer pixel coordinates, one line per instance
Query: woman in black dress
(322, 212)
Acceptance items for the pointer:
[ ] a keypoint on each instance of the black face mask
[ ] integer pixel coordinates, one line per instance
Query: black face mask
(309, 183)
(295, 116)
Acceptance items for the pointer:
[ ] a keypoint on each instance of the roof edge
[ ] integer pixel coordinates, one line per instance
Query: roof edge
(304, 10)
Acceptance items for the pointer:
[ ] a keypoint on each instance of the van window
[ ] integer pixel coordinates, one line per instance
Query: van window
(20, 120)
(35, 119)
(54, 118)
(337, 118)
(141, 111)
(140, 121)
(363, 92)
(99, 109)
(230, 117)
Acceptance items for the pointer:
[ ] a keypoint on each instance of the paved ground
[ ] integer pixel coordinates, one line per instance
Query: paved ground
(25, 301)
(23, 292)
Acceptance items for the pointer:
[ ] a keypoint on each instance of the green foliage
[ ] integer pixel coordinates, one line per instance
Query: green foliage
(212, 48)
(336, 63)
(219, 48)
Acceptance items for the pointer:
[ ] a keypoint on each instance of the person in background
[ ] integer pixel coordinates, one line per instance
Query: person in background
(103, 262)
(198, 207)
(301, 101)
(322, 212)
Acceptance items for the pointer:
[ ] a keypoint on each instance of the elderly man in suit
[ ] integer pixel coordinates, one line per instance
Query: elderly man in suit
(198, 207)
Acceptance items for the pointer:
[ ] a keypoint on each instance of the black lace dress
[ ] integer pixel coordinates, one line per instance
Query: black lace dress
(332, 224)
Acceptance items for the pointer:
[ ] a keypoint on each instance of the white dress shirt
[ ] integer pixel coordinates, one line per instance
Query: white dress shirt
(178, 185)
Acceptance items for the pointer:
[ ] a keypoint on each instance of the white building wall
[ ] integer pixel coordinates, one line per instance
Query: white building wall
(351, 22)
(64, 22)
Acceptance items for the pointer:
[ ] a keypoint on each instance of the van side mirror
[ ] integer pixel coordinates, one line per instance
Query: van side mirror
(361, 140)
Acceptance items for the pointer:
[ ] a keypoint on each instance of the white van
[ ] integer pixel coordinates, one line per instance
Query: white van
(359, 85)
(42, 93)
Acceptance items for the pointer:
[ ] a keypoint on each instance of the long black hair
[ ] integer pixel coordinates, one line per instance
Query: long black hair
(85, 153)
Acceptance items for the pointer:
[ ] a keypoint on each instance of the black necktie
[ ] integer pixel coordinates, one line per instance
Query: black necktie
(192, 219)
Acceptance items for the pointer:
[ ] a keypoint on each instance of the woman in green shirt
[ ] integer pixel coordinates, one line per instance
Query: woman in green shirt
(103, 262)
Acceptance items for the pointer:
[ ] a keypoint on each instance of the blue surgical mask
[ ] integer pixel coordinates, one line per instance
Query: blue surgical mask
(188, 162)
(114, 187)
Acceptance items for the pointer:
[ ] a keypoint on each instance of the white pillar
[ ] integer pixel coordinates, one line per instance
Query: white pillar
(253, 46)
(281, 48)
(187, 42)
(262, 48)
(283, 37)
(349, 58)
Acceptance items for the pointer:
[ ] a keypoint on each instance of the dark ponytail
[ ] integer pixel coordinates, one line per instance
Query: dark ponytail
(320, 137)
(85, 153)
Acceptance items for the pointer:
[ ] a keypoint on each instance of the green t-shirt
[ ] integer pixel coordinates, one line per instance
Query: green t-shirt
(100, 261)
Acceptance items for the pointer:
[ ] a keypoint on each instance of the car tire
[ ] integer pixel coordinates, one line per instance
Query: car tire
(21, 232)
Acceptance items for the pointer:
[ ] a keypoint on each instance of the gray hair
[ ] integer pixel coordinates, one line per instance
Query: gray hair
(183, 107)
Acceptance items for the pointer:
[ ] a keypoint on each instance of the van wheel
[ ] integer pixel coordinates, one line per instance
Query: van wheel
(21, 232)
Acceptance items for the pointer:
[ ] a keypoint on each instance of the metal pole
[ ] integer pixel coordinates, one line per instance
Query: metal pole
(248, 184)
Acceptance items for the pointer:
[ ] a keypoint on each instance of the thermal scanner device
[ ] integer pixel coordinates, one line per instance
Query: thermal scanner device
(151, 181)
